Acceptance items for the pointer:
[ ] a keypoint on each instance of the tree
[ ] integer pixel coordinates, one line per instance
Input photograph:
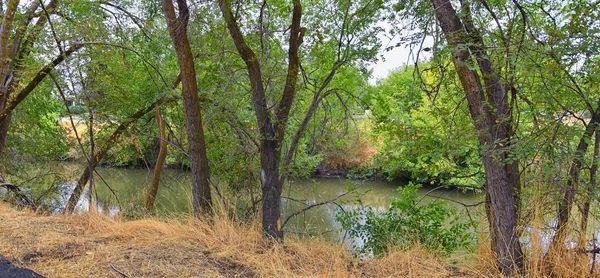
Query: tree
(344, 36)
(177, 25)
(18, 34)
(160, 160)
(272, 126)
(491, 114)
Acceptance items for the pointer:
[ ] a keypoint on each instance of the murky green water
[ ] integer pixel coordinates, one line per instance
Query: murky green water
(174, 195)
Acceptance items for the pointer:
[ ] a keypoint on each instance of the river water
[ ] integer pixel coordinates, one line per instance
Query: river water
(174, 196)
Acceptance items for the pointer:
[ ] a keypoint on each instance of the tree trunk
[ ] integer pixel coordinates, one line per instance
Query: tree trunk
(589, 191)
(92, 203)
(4, 127)
(201, 195)
(271, 189)
(490, 216)
(103, 150)
(490, 112)
(272, 127)
(566, 204)
(160, 160)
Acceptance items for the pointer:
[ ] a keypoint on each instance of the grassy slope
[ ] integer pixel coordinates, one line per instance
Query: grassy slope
(95, 246)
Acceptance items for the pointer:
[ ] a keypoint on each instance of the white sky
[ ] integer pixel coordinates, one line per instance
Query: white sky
(395, 58)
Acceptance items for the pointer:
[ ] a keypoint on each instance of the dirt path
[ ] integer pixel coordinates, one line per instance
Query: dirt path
(8, 270)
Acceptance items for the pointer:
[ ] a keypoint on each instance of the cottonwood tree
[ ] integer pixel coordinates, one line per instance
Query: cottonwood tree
(177, 24)
(351, 26)
(489, 107)
(271, 124)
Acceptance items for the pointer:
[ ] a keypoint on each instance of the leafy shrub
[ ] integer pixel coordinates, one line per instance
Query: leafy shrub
(429, 140)
(78, 109)
(433, 226)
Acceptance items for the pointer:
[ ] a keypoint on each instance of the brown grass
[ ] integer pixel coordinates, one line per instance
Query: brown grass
(96, 246)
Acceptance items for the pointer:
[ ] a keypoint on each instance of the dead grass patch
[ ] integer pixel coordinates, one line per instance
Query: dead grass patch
(96, 246)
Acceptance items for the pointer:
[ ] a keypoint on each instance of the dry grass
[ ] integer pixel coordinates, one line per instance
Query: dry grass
(96, 246)
(93, 245)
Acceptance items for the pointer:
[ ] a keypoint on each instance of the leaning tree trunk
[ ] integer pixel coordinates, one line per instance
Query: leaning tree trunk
(177, 24)
(104, 148)
(160, 160)
(490, 112)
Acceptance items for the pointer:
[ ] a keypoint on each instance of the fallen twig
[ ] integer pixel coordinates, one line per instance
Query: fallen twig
(312, 206)
(118, 271)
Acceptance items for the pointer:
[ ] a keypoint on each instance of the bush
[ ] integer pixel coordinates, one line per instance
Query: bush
(433, 226)
(78, 109)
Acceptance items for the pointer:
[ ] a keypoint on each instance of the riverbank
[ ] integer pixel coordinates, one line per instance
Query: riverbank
(95, 246)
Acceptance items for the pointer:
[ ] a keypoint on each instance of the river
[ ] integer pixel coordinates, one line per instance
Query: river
(174, 196)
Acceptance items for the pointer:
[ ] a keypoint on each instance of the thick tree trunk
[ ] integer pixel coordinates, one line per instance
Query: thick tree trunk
(490, 112)
(201, 195)
(160, 160)
(4, 127)
(271, 189)
(272, 127)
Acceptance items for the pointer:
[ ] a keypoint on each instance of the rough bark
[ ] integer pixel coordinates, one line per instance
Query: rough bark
(490, 112)
(177, 25)
(272, 128)
(160, 160)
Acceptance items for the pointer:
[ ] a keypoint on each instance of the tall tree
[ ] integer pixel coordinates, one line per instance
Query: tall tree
(177, 25)
(491, 113)
(272, 126)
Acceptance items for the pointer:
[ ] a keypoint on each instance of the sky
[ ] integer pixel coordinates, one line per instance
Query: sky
(395, 58)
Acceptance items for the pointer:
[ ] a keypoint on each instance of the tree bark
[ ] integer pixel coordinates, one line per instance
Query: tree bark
(490, 112)
(589, 191)
(177, 25)
(566, 204)
(272, 127)
(160, 160)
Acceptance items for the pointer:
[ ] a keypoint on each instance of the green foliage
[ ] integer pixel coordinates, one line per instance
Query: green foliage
(429, 139)
(407, 223)
(36, 134)
(78, 109)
